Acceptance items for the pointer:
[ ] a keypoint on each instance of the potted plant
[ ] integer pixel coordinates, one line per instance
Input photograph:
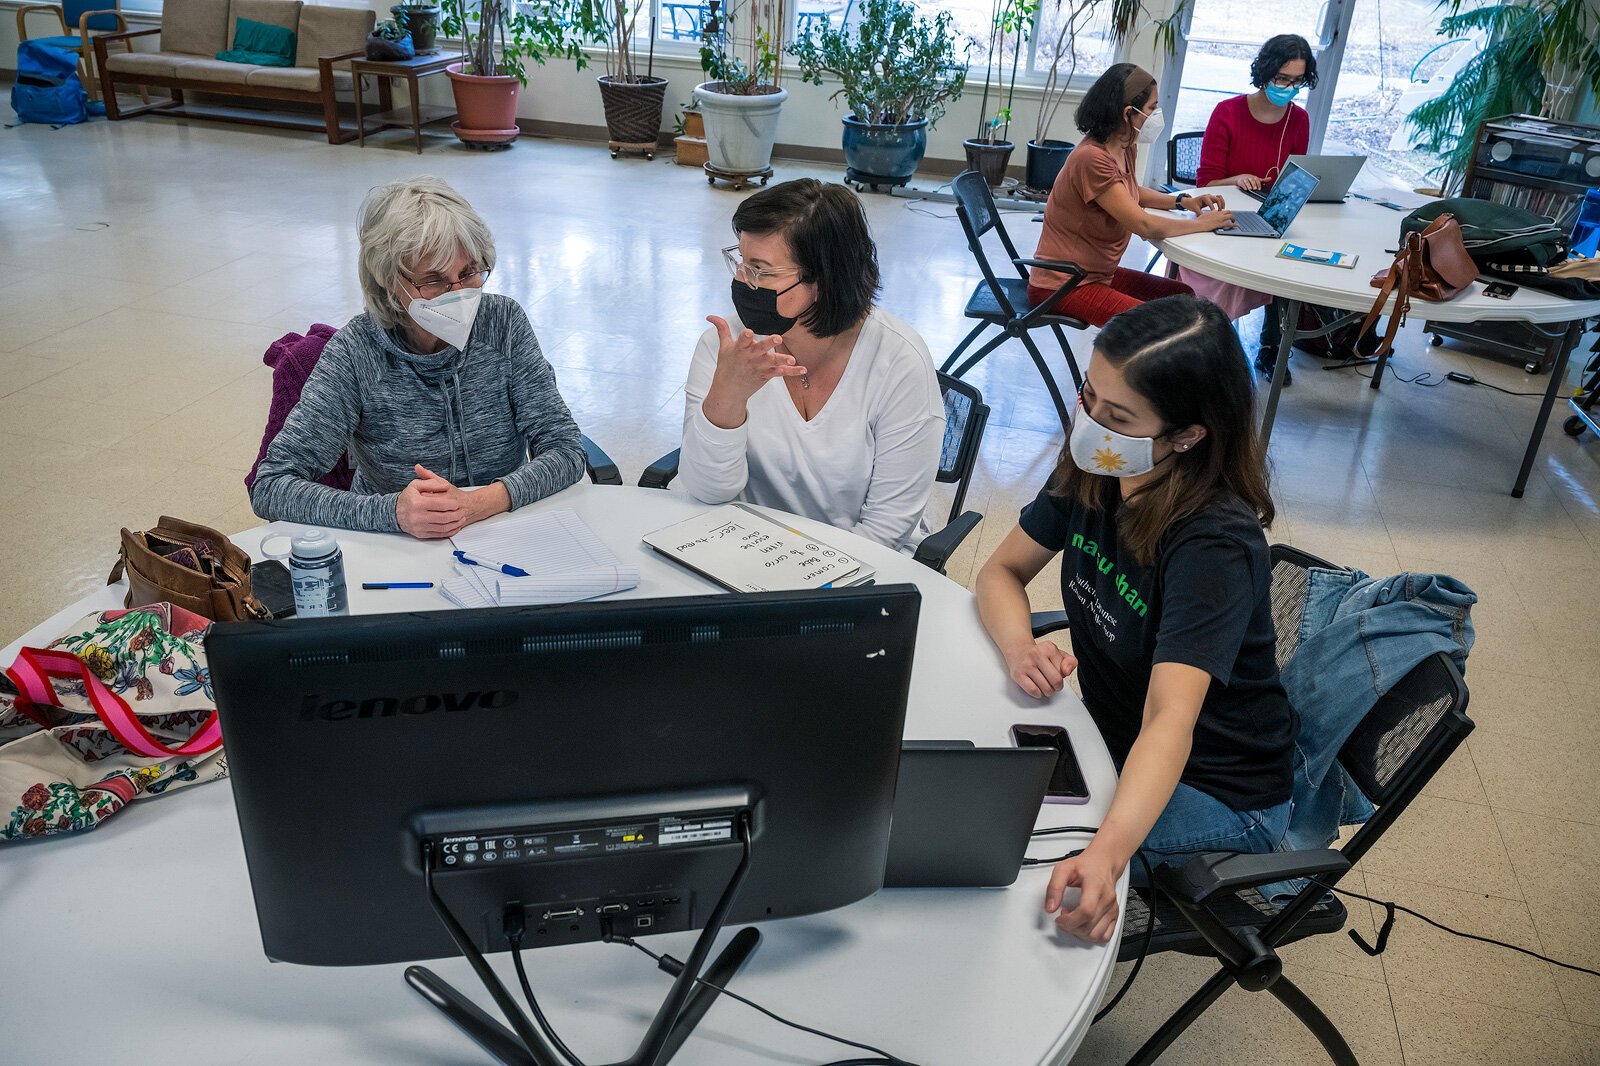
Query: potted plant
(421, 20)
(633, 100)
(389, 43)
(1538, 59)
(740, 99)
(990, 151)
(896, 71)
(499, 37)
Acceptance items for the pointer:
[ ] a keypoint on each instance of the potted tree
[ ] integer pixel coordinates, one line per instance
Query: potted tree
(1538, 59)
(499, 37)
(990, 151)
(421, 20)
(896, 71)
(633, 99)
(740, 99)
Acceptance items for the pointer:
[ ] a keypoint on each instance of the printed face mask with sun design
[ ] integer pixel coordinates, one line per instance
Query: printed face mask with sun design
(1098, 450)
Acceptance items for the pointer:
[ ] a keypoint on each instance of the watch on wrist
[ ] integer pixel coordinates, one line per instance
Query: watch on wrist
(1181, 197)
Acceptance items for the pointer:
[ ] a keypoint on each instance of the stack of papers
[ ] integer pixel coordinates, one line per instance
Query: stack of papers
(747, 551)
(563, 558)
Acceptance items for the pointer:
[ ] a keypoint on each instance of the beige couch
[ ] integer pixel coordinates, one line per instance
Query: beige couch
(192, 32)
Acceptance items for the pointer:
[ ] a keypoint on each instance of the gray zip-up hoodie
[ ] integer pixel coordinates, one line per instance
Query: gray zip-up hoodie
(489, 413)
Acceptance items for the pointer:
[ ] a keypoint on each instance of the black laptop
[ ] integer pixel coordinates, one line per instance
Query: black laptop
(963, 815)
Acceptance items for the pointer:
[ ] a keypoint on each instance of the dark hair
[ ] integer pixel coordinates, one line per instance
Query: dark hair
(1284, 48)
(1181, 353)
(827, 232)
(1102, 114)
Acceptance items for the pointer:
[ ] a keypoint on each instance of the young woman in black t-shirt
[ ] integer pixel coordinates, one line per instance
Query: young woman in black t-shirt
(1157, 508)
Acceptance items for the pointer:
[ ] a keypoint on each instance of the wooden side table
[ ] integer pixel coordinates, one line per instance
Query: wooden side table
(390, 117)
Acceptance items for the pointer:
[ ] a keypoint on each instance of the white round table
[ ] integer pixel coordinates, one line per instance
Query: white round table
(1371, 232)
(140, 938)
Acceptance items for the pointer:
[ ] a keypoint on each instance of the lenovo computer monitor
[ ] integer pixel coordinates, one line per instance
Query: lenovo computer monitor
(593, 768)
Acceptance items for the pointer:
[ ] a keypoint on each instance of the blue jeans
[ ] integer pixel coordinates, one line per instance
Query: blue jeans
(1194, 822)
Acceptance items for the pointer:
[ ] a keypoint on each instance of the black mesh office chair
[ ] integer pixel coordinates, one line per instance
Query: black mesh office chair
(1003, 301)
(965, 416)
(1210, 906)
(1183, 168)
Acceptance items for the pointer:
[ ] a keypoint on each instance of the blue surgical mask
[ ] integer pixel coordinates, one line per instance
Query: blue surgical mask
(1281, 97)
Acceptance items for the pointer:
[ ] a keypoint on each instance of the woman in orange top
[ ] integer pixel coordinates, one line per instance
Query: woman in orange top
(1096, 204)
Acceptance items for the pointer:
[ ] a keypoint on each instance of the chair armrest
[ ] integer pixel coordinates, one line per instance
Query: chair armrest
(937, 548)
(602, 471)
(659, 474)
(1221, 871)
(1049, 304)
(1047, 622)
(128, 35)
(22, 18)
(1062, 266)
(325, 63)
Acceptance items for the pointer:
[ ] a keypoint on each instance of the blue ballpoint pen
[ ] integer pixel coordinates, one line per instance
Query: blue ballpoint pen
(490, 564)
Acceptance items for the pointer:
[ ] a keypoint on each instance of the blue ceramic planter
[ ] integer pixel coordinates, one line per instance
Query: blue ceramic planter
(883, 155)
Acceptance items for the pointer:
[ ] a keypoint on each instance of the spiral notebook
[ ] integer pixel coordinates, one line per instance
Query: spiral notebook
(564, 560)
(744, 550)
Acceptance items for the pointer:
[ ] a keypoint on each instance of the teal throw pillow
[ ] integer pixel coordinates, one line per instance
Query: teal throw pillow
(260, 44)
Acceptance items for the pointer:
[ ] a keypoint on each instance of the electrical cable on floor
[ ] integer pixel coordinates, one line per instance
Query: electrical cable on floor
(670, 965)
(1390, 907)
(911, 205)
(1457, 376)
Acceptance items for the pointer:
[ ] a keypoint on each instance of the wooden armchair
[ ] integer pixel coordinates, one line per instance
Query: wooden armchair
(80, 22)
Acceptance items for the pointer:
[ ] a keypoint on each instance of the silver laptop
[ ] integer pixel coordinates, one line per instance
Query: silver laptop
(1289, 194)
(1335, 173)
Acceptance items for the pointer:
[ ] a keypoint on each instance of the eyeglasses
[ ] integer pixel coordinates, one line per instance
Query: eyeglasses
(1283, 81)
(751, 276)
(434, 285)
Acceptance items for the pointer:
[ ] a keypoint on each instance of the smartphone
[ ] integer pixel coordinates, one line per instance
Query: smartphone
(1066, 780)
(269, 583)
(1500, 290)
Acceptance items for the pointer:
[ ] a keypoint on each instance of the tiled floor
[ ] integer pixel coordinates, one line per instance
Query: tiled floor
(145, 266)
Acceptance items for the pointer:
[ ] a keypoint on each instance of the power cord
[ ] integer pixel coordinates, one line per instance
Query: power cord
(1390, 907)
(669, 965)
(1150, 908)
(515, 924)
(1431, 379)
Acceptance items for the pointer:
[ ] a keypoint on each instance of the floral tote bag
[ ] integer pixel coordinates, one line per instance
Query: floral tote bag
(117, 709)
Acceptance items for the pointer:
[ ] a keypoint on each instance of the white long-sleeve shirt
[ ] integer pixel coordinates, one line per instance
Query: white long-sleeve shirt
(865, 463)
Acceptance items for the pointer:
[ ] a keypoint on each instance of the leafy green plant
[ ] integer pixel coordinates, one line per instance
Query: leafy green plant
(500, 37)
(1539, 57)
(614, 26)
(739, 46)
(893, 66)
(1012, 21)
(390, 30)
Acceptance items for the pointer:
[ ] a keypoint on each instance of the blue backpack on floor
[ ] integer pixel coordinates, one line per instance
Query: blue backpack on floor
(47, 88)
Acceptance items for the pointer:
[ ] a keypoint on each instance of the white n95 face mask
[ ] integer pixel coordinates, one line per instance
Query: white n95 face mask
(1152, 127)
(448, 317)
(1098, 450)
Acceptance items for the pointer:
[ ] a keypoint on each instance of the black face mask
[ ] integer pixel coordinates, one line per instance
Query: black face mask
(758, 309)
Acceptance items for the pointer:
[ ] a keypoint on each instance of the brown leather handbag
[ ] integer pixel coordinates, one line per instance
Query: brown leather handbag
(193, 567)
(1431, 265)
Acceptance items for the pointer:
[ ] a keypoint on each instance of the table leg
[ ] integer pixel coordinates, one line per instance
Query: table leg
(385, 94)
(1564, 343)
(416, 113)
(361, 122)
(1289, 322)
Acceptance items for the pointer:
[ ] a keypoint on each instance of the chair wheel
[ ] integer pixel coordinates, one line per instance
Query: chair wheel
(1574, 426)
(1436, 340)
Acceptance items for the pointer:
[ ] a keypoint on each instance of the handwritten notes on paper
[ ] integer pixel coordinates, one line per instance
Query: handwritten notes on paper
(746, 551)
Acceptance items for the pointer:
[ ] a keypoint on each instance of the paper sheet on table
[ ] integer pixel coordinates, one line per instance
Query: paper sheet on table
(541, 542)
(566, 587)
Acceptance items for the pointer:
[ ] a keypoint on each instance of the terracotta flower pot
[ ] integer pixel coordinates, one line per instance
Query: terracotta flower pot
(487, 107)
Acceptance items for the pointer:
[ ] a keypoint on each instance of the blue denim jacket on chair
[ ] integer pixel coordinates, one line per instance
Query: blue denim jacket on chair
(1358, 637)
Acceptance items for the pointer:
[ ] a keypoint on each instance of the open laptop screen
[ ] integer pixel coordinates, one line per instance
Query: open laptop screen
(1289, 195)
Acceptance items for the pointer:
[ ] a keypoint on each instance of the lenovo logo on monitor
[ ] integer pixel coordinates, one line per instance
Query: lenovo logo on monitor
(315, 706)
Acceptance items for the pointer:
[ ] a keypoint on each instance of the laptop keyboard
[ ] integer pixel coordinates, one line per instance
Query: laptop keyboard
(1253, 224)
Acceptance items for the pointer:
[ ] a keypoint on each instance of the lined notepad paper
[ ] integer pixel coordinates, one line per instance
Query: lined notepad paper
(564, 559)
(746, 551)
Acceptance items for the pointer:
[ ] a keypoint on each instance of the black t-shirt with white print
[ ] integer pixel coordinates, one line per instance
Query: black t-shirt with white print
(1207, 603)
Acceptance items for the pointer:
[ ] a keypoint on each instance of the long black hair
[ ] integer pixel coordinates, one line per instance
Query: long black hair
(1182, 355)
(1284, 48)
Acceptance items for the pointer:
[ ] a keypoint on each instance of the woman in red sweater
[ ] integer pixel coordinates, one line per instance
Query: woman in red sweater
(1247, 142)
(1097, 204)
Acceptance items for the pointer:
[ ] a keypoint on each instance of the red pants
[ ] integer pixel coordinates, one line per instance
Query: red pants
(1099, 304)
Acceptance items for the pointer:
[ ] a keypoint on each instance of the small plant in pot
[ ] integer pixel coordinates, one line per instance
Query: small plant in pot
(633, 99)
(421, 20)
(740, 99)
(896, 72)
(499, 38)
(389, 42)
(990, 151)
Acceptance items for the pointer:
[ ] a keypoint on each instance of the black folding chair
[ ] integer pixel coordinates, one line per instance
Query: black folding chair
(965, 416)
(1003, 301)
(1211, 906)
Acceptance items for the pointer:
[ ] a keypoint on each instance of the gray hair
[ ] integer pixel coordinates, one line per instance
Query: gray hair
(414, 227)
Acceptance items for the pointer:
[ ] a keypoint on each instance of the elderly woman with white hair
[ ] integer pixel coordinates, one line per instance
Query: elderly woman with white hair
(436, 388)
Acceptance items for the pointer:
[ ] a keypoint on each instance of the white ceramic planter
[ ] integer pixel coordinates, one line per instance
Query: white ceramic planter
(740, 130)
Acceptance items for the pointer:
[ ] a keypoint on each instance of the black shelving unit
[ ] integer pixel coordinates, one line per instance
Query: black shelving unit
(1540, 165)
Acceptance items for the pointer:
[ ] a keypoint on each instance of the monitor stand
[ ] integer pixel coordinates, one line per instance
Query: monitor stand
(523, 1045)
